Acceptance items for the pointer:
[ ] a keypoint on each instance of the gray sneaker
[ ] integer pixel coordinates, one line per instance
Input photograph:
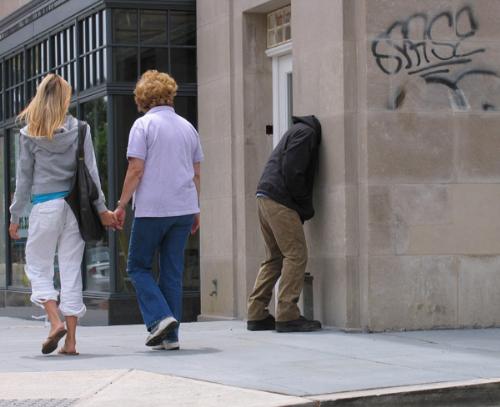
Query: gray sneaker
(161, 330)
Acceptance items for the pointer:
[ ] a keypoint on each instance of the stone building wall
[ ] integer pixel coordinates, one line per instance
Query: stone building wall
(407, 231)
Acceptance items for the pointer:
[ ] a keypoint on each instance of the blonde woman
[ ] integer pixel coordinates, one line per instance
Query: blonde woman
(47, 163)
(164, 155)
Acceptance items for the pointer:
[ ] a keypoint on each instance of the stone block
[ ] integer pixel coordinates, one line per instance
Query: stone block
(213, 51)
(332, 155)
(325, 232)
(385, 239)
(479, 291)
(217, 290)
(214, 110)
(216, 169)
(479, 148)
(216, 237)
(211, 12)
(330, 290)
(421, 204)
(409, 148)
(413, 19)
(413, 292)
(474, 226)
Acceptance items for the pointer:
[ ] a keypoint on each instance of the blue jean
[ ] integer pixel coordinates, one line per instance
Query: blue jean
(163, 298)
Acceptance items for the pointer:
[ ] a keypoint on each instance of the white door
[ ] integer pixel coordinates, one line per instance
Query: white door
(282, 96)
(282, 89)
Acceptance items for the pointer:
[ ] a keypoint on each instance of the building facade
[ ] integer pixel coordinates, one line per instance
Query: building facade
(101, 47)
(407, 227)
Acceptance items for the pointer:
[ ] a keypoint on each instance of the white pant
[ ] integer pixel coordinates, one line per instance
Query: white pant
(52, 226)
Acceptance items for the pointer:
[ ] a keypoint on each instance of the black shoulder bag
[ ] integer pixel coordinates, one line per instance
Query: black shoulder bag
(83, 193)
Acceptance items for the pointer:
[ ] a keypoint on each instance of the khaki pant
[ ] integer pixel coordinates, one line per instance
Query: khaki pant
(286, 257)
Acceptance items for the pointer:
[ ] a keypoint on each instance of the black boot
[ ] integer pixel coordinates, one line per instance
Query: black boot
(298, 325)
(266, 324)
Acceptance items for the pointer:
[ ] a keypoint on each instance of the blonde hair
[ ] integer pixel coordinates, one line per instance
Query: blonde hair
(47, 110)
(154, 89)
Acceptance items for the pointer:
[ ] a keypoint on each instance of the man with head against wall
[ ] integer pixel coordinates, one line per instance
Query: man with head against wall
(284, 201)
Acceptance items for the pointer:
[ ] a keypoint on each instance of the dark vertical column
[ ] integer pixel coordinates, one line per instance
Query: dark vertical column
(6, 169)
(112, 190)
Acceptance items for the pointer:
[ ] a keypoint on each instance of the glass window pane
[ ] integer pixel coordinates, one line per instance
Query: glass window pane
(154, 58)
(124, 64)
(97, 256)
(124, 26)
(183, 66)
(2, 217)
(186, 106)
(192, 264)
(17, 247)
(154, 27)
(182, 28)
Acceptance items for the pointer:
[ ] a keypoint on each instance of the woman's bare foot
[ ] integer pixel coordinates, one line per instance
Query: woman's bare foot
(69, 348)
(56, 328)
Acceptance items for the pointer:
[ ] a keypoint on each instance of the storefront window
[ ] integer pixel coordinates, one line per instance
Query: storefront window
(93, 66)
(17, 247)
(154, 27)
(98, 256)
(154, 58)
(183, 64)
(2, 217)
(124, 64)
(186, 107)
(124, 26)
(182, 28)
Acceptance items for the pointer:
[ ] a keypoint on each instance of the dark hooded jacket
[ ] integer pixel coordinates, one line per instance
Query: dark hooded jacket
(288, 176)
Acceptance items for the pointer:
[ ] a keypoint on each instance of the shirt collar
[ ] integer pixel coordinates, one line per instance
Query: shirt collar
(160, 108)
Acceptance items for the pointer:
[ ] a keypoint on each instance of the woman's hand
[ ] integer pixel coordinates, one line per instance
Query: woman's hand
(108, 219)
(196, 224)
(13, 231)
(120, 214)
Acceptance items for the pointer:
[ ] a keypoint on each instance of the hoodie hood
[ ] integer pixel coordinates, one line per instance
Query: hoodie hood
(64, 137)
(312, 122)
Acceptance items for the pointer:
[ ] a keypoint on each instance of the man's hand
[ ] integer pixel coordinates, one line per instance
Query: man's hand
(13, 231)
(108, 219)
(196, 224)
(120, 214)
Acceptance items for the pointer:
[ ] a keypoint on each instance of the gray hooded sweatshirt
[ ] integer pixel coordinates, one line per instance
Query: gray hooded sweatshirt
(47, 166)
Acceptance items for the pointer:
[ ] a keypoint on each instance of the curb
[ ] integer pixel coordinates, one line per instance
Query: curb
(478, 393)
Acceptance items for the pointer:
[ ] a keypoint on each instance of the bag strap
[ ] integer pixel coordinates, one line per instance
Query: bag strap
(82, 127)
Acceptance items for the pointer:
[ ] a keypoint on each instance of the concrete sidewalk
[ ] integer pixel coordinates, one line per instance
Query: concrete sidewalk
(221, 363)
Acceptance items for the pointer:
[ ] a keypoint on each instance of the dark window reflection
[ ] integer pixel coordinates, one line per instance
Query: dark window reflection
(186, 106)
(17, 247)
(154, 27)
(183, 64)
(124, 64)
(154, 58)
(182, 28)
(124, 26)
(97, 256)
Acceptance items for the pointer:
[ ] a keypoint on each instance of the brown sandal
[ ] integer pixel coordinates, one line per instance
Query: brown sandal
(50, 344)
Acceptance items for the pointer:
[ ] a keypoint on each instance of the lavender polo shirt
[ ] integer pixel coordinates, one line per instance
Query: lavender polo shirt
(169, 146)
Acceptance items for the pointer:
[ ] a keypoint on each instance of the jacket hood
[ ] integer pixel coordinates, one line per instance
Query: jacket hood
(312, 122)
(64, 137)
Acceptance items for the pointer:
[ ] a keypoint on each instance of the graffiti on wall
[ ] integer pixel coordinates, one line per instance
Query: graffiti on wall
(438, 49)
